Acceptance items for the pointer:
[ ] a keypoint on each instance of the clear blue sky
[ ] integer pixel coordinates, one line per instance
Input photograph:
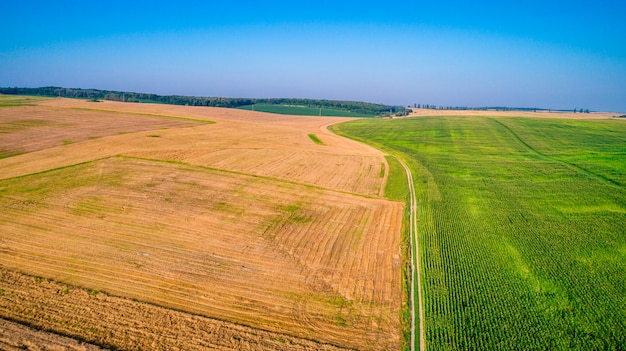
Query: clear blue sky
(553, 54)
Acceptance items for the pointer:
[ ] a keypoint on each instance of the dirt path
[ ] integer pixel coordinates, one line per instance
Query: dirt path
(415, 263)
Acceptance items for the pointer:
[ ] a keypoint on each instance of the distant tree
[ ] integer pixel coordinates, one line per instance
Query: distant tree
(352, 106)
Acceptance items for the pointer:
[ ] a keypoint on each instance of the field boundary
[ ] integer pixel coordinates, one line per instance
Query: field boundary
(415, 262)
(518, 241)
(229, 171)
(321, 256)
(208, 168)
(414, 252)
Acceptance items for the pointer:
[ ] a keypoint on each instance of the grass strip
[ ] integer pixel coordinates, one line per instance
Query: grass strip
(316, 139)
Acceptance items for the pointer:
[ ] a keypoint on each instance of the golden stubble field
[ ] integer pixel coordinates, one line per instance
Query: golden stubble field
(138, 226)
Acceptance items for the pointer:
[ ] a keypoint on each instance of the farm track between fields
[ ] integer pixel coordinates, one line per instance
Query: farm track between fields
(160, 215)
(416, 277)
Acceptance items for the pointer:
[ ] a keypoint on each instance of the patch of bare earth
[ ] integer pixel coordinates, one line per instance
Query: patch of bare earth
(243, 231)
(250, 142)
(32, 128)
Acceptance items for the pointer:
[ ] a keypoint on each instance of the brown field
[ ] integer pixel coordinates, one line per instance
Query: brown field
(250, 142)
(242, 234)
(33, 128)
(16, 336)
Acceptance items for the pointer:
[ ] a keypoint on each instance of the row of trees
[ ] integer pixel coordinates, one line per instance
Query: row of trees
(484, 108)
(492, 108)
(96, 94)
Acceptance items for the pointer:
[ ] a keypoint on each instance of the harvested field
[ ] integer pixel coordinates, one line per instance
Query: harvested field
(15, 336)
(245, 222)
(250, 142)
(32, 128)
(115, 322)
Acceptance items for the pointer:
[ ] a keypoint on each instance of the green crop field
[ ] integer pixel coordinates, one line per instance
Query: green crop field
(302, 110)
(522, 228)
(17, 100)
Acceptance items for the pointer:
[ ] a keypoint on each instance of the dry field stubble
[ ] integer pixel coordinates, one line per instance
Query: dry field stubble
(15, 336)
(32, 128)
(246, 222)
(250, 142)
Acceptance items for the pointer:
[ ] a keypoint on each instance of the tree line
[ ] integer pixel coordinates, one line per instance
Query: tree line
(494, 108)
(365, 108)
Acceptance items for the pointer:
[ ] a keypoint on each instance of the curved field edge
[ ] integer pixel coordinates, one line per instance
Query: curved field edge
(115, 222)
(132, 230)
(395, 189)
(523, 222)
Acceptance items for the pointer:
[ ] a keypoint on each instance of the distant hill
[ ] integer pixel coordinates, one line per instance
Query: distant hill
(343, 108)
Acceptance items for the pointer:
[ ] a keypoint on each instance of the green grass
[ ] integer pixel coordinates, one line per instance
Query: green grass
(316, 139)
(522, 228)
(301, 110)
(9, 153)
(39, 185)
(23, 124)
(18, 100)
(396, 187)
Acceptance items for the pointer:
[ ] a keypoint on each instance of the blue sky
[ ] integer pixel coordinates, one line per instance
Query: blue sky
(552, 54)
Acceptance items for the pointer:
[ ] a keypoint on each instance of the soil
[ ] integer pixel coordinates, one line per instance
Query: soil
(245, 225)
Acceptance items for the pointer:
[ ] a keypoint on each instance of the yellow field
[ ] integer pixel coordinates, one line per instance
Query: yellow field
(246, 229)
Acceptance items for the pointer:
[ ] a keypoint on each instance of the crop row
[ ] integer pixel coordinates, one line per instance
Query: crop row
(522, 244)
(301, 261)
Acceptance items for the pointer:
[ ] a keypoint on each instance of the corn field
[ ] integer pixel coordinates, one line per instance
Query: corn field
(522, 229)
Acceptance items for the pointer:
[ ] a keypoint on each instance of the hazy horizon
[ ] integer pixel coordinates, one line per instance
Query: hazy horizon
(558, 55)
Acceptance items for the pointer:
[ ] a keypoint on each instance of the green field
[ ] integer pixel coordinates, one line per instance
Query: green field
(522, 228)
(302, 110)
(17, 100)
